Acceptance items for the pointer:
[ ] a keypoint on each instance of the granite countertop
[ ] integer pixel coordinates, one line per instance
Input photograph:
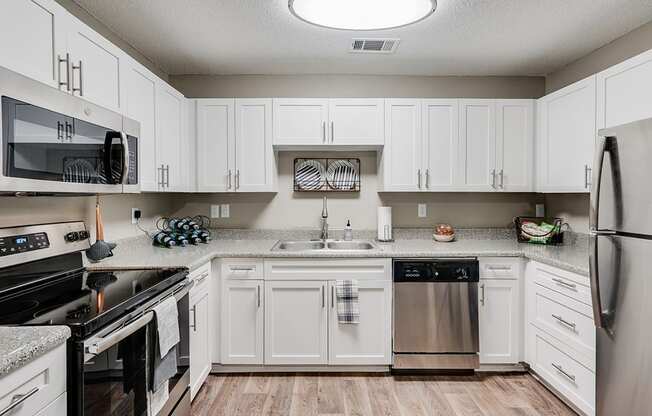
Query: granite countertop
(20, 345)
(140, 253)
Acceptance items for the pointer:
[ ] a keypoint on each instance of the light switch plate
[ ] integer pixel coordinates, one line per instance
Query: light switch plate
(225, 210)
(215, 211)
(422, 210)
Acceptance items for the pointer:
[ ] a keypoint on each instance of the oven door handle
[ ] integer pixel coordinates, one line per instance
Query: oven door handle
(104, 343)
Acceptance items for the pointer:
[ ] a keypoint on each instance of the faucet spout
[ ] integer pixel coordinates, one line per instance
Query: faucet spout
(324, 219)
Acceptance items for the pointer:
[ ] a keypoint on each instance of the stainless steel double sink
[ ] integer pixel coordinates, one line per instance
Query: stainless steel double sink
(321, 245)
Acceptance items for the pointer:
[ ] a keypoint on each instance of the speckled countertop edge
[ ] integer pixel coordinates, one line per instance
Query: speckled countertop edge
(22, 344)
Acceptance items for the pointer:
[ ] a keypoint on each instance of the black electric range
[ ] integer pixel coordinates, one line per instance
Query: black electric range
(43, 281)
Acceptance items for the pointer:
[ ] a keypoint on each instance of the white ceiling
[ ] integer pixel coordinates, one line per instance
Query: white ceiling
(463, 37)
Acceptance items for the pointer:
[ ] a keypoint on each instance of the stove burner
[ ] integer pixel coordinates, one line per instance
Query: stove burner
(79, 312)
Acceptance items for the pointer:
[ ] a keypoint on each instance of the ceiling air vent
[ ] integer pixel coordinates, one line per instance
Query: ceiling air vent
(374, 45)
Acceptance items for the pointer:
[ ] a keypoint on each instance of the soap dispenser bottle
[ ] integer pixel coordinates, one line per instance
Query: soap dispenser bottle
(348, 231)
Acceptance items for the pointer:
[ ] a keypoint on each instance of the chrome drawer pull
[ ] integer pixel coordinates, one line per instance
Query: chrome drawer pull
(19, 399)
(499, 268)
(562, 321)
(482, 298)
(565, 284)
(243, 269)
(563, 372)
(202, 277)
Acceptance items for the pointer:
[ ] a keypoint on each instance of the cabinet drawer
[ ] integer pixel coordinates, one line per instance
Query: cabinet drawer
(328, 269)
(569, 284)
(500, 268)
(43, 380)
(567, 320)
(56, 408)
(242, 269)
(201, 277)
(570, 378)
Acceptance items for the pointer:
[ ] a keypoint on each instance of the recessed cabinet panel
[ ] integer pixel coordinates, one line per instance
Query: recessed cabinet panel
(356, 122)
(215, 144)
(499, 321)
(170, 107)
(514, 145)
(242, 322)
(254, 158)
(401, 157)
(300, 121)
(440, 142)
(478, 144)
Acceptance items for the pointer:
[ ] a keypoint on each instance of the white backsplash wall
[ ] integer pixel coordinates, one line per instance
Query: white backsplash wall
(296, 210)
(116, 211)
(573, 208)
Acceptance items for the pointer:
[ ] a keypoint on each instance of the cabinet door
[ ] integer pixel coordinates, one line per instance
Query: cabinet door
(33, 38)
(478, 144)
(440, 143)
(499, 321)
(296, 322)
(300, 121)
(514, 145)
(357, 122)
(215, 144)
(401, 157)
(98, 66)
(623, 92)
(254, 156)
(368, 342)
(169, 135)
(566, 136)
(242, 322)
(200, 360)
(141, 106)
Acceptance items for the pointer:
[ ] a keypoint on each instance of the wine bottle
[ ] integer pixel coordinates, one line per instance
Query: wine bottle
(164, 240)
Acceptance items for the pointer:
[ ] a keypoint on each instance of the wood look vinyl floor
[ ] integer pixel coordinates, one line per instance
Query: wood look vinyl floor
(348, 395)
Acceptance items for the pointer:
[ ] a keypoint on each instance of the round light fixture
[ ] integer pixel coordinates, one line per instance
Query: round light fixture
(362, 14)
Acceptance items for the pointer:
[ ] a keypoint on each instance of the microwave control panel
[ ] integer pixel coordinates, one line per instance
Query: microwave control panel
(16, 244)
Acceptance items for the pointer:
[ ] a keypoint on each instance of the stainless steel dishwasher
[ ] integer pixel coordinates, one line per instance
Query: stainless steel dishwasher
(436, 314)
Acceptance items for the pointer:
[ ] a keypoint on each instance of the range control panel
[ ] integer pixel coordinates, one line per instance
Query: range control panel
(16, 244)
(436, 270)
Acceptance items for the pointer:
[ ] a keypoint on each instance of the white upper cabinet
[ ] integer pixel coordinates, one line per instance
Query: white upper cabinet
(440, 123)
(401, 158)
(254, 156)
(356, 122)
(623, 92)
(514, 145)
(215, 144)
(141, 106)
(566, 132)
(478, 144)
(170, 137)
(97, 67)
(300, 121)
(32, 39)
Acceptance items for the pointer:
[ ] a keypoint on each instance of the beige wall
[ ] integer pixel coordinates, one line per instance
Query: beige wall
(206, 86)
(116, 211)
(103, 30)
(573, 208)
(637, 41)
(296, 210)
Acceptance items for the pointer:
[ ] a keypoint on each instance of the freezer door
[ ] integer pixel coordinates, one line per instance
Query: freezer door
(621, 196)
(621, 273)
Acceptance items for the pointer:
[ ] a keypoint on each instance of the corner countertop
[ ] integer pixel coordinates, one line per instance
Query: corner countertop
(140, 253)
(20, 345)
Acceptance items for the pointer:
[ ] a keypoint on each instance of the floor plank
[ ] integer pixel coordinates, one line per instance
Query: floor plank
(314, 394)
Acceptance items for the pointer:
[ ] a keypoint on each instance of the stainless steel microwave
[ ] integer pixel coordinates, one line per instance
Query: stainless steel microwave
(57, 143)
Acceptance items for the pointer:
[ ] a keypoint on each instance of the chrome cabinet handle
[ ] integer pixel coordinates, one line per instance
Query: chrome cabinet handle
(69, 131)
(202, 277)
(501, 268)
(243, 269)
(502, 179)
(564, 322)
(237, 179)
(80, 90)
(19, 399)
(332, 297)
(493, 178)
(323, 297)
(67, 61)
(562, 371)
(428, 178)
(258, 294)
(323, 131)
(59, 130)
(194, 318)
(419, 178)
(332, 131)
(229, 179)
(482, 298)
(572, 286)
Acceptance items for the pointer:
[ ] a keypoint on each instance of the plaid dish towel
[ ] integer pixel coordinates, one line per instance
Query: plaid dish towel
(348, 305)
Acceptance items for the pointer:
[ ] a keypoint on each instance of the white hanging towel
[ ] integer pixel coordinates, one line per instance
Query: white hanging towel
(348, 302)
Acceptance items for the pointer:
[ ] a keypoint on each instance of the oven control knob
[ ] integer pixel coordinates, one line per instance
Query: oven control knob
(461, 274)
(72, 237)
(83, 235)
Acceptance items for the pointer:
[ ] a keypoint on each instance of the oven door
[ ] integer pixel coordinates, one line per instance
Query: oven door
(116, 366)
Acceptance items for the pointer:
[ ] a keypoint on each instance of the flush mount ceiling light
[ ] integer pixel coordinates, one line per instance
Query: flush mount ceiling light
(362, 14)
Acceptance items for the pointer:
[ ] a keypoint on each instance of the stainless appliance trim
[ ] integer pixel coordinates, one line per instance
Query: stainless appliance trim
(436, 361)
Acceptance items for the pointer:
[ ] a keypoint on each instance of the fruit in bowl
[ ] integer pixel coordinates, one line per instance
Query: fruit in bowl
(444, 233)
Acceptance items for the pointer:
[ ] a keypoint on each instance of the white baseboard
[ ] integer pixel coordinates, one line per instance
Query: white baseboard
(219, 368)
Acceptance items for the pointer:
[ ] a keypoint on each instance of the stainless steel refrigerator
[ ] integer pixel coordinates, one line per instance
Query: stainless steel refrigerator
(621, 269)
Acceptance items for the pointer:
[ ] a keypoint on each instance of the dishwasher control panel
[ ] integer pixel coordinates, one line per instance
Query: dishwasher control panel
(437, 270)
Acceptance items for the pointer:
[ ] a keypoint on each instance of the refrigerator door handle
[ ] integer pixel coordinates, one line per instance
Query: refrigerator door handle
(598, 314)
(594, 210)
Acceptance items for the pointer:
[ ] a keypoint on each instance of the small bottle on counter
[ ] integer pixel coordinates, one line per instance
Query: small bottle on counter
(348, 231)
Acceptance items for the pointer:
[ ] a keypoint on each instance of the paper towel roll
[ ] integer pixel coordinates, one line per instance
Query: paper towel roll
(385, 232)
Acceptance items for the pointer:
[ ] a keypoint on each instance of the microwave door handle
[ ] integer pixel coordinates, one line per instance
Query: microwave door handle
(125, 157)
(108, 156)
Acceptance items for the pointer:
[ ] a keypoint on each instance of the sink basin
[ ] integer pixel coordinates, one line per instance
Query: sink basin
(350, 245)
(299, 246)
(337, 245)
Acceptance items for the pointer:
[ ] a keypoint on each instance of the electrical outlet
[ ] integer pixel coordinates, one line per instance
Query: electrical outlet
(136, 213)
(224, 210)
(215, 211)
(422, 210)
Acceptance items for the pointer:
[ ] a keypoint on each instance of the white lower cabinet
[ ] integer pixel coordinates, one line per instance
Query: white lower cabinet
(200, 349)
(242, 322)
(368, 342)
(296, 322)
(499, 317)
